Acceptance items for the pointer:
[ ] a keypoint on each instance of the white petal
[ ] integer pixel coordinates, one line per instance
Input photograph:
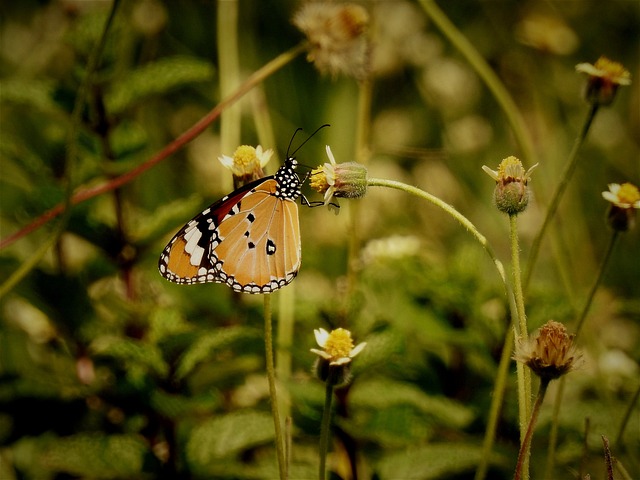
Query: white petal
(492, 173)
(330, 155)
(322, 353)
(356, 350)
(321, 336)
(226, 160)
(610, 197)
(341, 361)
(614, 188)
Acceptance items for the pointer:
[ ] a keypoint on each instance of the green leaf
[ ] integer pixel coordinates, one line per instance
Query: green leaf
(156, 78)
(209, 343)
(382, 394)
(99, 456)
(86, 455)
(227, 435)
(431, 461)
(134, 354)
(34, 93)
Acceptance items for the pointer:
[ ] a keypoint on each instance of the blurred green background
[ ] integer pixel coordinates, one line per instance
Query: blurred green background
(109, 371)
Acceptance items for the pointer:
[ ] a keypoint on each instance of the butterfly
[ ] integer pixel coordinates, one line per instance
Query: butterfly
(248, 240)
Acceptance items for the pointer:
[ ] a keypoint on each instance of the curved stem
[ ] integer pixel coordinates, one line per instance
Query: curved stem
(525, 447)
(464, 221)
(271, 377)
(324, 430)
(557, 195)
(488, 76)
(257, 77)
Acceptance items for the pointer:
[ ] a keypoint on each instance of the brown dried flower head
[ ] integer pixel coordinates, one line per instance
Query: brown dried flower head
(550, 352)
(336, 34)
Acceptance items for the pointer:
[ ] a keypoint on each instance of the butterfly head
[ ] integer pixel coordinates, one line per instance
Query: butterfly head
(288, 180)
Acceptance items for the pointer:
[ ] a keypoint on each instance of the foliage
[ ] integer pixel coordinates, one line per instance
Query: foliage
(108, 371)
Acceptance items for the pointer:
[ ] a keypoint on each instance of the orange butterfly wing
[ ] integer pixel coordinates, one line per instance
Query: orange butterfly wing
(249, 240)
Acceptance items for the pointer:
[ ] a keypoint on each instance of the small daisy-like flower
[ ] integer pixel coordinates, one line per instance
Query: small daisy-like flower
(625, 200)
(511, 193)
(336, 35)
(247, 163)
(605, 76)
(337, 346)
(341, 180)
(550, 353)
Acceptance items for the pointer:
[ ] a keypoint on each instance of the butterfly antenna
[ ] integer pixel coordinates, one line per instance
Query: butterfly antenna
(308, 138)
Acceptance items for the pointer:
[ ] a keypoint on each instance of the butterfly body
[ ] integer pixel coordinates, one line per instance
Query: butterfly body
(248, 240)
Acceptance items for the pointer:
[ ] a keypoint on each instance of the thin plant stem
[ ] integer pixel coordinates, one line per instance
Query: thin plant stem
(627, 417)
(271, 377)
(83, 195)
(464, 221)
(613, 240)
(70, 162)
(608, 459)
(557, 194)
(284, 336)
(500, 385)
(553, 435)
(525, 447)
(499, 389)
(488, 76)
(523, 374)
(362, 153)
(229, 66)
(325, 429)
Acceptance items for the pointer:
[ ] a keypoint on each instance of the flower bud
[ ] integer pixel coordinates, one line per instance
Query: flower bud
(511, 194)
(340, 180)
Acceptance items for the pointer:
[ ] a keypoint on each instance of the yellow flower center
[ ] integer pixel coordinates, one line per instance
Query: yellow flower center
(339, 343)
(611, 69)
(245, 156)
(318, 180)
(628, 193)
(511, 169)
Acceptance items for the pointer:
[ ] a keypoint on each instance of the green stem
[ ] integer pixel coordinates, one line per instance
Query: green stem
(557, 195)
(526, 444)
(627, 416)
(553, 436)
(464, 221)
(488, 76)
(271, 376)
(324, 429)
(496, 403)
(596, 283)
(70, 161)
(229, 66)
(523, 374)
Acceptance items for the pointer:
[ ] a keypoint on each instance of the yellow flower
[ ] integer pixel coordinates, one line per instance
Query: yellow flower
(341, 180)
(511, 193)
(247, 163)
(605, 76)
(337, 346)
(625, 200)
(336, 36)
(550, 353)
